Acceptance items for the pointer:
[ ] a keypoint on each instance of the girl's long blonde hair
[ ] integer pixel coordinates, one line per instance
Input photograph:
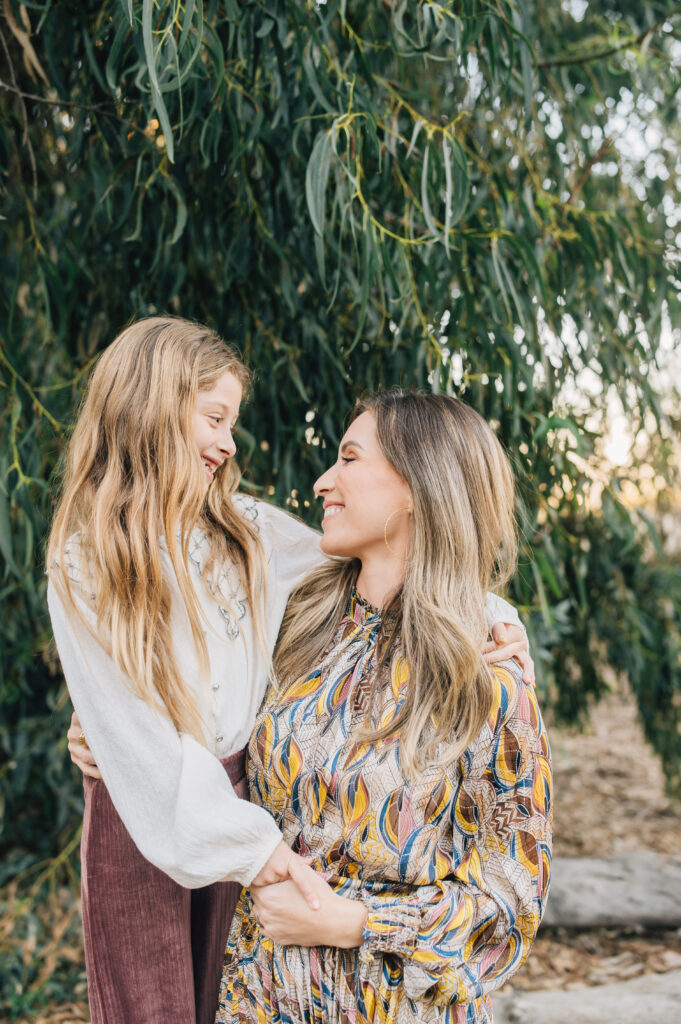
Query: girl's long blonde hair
(462, 543)
(133, 485)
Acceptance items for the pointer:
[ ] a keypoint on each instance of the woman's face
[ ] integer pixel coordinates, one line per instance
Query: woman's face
(362, 492)
(215, 414)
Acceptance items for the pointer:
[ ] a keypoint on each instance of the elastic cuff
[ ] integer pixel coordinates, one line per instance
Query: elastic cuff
(390, 927)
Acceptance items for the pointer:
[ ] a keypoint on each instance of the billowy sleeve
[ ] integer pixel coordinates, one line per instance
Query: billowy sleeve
(173, 795)
(499, 610)
(295, 548)
(462, 937)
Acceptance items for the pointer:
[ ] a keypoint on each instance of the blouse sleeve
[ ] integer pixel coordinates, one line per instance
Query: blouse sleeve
(172, 794)
(464, 936)
(295, 547)
(499, 610)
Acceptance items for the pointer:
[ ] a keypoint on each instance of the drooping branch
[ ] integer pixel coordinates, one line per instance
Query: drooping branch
(587, 58)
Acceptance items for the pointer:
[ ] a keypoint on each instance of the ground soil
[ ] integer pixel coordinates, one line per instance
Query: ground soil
(609, 799)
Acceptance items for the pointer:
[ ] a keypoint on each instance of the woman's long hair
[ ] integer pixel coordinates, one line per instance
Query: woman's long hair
(462, 543)
(134, 484)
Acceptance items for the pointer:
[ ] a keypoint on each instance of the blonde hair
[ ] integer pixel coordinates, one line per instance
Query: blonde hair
(133, 484)
(462, 542)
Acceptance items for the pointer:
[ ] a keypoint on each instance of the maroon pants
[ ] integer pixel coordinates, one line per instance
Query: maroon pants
(153, 950)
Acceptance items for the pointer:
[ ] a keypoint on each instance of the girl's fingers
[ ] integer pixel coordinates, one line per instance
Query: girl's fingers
(502, 653)
(303, 877)
(527, 665)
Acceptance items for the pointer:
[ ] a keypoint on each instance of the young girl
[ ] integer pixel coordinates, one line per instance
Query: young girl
(166, 594)
(416, 779)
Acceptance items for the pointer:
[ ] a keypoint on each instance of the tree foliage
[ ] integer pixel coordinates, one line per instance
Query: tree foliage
(479, 197)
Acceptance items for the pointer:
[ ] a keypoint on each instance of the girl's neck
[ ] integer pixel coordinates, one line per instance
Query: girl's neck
(379, 578)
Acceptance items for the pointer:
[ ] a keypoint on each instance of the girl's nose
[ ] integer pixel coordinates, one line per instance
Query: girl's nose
(227, 444)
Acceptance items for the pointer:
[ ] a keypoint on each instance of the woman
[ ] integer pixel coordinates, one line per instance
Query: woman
(417, 780)
(166, 594)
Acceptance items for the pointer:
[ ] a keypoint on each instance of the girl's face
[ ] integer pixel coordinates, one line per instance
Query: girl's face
(215, 414)
(362, 493)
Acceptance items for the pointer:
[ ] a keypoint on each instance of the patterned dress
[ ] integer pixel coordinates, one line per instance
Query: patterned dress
(452, 866)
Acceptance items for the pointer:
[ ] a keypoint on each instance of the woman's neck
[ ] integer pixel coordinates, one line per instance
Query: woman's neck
(379, 578)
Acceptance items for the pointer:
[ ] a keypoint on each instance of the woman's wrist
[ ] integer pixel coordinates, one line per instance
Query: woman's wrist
(348, 925)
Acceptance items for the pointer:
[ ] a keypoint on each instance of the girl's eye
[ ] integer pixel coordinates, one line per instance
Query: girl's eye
(215, 419)
(347, 458)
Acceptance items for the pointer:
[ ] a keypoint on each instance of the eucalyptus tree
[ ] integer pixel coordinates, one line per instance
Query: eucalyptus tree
(480, 197)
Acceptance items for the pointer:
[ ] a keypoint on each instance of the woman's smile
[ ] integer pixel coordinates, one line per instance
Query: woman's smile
(331, 510)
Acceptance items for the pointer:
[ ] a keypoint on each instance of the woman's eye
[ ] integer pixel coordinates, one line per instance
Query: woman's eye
(215, 419)
(347, 458)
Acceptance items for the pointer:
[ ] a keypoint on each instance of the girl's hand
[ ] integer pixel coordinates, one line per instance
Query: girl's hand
(81, 755)
(509, 641)
(285, 917)
(285, 865)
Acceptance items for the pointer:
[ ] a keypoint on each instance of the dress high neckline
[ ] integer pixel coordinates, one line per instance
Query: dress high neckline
(361, 610)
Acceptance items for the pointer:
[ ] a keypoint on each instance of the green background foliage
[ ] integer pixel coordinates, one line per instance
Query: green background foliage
(480, 197)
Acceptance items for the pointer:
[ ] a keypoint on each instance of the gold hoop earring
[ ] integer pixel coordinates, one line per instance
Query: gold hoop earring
(404, 508)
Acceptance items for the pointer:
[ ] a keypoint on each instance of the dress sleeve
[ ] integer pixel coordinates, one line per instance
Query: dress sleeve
(173, 795)
(461, 938)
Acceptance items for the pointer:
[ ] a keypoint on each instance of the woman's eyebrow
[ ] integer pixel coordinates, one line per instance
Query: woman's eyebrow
(350, 444)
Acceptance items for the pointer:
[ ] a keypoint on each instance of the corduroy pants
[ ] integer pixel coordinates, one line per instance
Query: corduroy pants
(153, 950)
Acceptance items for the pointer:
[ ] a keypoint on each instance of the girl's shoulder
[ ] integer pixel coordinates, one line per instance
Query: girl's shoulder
(74, 564)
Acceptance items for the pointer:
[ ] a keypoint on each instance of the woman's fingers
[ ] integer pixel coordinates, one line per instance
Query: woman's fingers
(81, 755)
(304, 878)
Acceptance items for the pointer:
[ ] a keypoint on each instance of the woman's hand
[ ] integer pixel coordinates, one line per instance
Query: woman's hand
(509, 641)
(285, 917)
(81, 755)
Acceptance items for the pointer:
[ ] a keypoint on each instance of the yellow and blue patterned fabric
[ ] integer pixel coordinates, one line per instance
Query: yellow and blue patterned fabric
(452, 865)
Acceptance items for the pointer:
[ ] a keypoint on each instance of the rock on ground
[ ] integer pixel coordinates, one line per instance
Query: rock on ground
(653, 998)
(639, 888)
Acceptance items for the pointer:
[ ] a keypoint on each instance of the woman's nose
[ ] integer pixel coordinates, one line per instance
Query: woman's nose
(324, 483)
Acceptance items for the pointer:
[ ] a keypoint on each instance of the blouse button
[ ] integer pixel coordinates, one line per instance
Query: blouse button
(216, 686)
(219, 739)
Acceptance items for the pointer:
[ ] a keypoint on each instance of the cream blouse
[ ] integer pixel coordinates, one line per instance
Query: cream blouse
(171, 792)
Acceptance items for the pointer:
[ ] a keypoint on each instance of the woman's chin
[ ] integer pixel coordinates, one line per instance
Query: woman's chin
(331, 546)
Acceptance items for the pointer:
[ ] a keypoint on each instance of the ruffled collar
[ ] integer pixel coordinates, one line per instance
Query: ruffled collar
(364, 613)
